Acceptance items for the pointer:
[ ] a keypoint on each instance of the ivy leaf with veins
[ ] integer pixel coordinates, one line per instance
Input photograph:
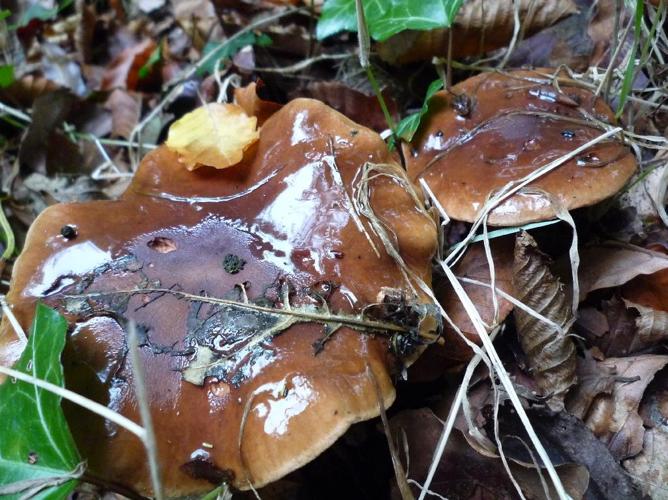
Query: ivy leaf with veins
(38, 457)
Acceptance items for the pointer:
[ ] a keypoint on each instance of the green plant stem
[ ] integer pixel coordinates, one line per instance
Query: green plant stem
(381, 100)
(10, 243)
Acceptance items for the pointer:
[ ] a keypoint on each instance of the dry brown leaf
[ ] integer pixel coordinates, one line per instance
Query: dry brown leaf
(614, 264)
(125, 110)
(123, 72)
(564, 43)
(463, 472)
(613, 414)
(649, 291)
(622, 327)
(214, 135)
(24, 91)
(602, 25)
(550, 354)
(358, 106)
(652, 326)
(650, 467)
(250, 102)
(480, 26)
(593, 379)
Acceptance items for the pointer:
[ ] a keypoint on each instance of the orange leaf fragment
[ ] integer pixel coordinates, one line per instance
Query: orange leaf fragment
(214, 135)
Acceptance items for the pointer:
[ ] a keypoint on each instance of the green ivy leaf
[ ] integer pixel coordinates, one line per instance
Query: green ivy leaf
(4, 14)
(152, 60)
(630, 71)
(387, 17)
(225, 50)
(6, 75)
(37, 453)
(409, 125)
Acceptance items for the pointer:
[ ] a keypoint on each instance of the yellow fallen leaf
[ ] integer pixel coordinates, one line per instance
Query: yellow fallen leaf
(215, 135)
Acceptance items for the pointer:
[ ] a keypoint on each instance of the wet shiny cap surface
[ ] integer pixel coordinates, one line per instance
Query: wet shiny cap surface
(500, 127)
(217, 269)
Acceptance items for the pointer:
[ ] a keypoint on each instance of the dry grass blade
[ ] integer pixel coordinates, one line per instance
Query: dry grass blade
(144, 411)
(80, 400)
(399, 473)
(550, 353)
(505, 381)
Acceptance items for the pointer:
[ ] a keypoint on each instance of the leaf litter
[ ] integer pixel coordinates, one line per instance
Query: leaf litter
(622, 308)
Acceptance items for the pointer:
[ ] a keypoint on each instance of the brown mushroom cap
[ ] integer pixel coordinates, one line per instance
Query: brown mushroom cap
(496, 127)
(282, 218)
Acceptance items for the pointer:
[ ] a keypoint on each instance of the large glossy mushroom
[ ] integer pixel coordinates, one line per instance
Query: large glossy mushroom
(237, 390)
(498, 127)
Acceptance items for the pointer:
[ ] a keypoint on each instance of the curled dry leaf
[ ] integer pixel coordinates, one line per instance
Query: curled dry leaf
(214, 135)
(593, 379)
(652, 326)
(480, 26)
(253, 105)
(612, 414)
(550, 354)
(125, 110)
(650, 467)
(614, 264)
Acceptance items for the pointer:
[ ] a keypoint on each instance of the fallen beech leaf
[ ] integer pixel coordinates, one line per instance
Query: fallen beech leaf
(593, 379)
(650, 467)
(550, 354)
(614, 264)
(649, 291)
(250, 102)
(44, 148)
(125, 110)
(613, 413)
(215, 135)
(358, 106)
(123, 72)
(615, 328)
(566, 43)
(23, 92)
(652, 326)
(480, 26)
